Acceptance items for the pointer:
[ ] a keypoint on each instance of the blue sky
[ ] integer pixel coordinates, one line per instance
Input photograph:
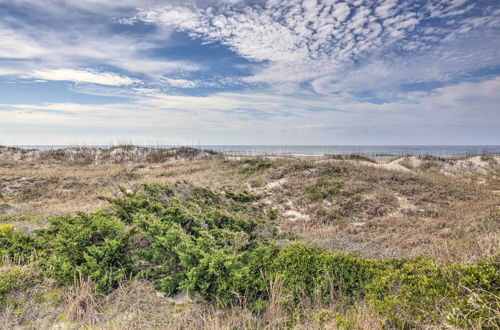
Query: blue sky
(250, 72)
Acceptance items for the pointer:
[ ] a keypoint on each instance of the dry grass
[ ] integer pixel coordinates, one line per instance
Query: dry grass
(137, 305)
(82, 302)
(275, 315)
(386, 213)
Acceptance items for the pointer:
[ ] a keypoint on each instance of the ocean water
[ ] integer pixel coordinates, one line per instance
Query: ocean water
(439, 151)
(372, 150)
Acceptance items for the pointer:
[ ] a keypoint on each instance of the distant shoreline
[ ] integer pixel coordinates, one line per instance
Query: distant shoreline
(378, 152)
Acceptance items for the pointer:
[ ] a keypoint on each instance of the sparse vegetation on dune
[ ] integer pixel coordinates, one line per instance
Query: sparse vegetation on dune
(255, 243)
(113, 155)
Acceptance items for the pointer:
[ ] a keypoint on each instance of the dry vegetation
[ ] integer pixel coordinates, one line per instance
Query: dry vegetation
(445, 209)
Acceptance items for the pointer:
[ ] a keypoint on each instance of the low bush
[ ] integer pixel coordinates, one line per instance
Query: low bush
(304, 271)
(15, 245)
(94, 246)
(324, 189)
(15, 281)
(272, 214)
(193, 239)
(421, 291)
(253, 166)
(9, 280)
(242, 197)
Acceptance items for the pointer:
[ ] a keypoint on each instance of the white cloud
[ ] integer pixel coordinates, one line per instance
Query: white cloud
(18, 46)
(182, 83)
(340, 11)
(485, 92)
(386, 9)
(60, 107)
(8, 71)
(295, 41)
(153, 67)
(84, 76)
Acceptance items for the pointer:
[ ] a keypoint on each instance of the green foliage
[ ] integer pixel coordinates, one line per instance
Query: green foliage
(288, 235)
(193, 239)
(272, 214)
(243, 197)
(94, 246)
(418, 290)
(254, 165)
(304, 270)
(408, 292)
(224, 277)
(15, 244)
(317, 273)
(478, 295)
(8, 281)
(350, 275)
(324, 189)
(421, 291)
(13, 280)
(23, 217)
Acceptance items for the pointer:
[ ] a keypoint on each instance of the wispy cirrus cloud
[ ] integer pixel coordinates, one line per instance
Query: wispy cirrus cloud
(14, 45)
(85, 44)
(83, 76)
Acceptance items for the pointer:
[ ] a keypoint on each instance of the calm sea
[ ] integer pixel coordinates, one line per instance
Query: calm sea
(372, 150)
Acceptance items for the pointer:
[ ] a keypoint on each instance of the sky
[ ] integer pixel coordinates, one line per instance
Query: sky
(295, 72)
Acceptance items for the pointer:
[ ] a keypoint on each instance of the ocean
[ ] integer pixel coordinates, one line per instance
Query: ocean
(323, 150)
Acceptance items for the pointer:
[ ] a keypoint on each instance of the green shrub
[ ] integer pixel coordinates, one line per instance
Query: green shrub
(94, 246)
(349, 275)
(223, 277)
(288, 235)
(243, 197)
(272, 214)
(8, 281)
(478, 288)
(12, 281)
(190, 238)
(324, 189)
(416, 291)
(304, 271)
(253, 166)
(16, 245)
(421, 291)
(317, 273)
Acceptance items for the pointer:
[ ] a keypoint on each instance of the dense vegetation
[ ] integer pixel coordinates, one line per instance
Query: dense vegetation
(225, 249)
